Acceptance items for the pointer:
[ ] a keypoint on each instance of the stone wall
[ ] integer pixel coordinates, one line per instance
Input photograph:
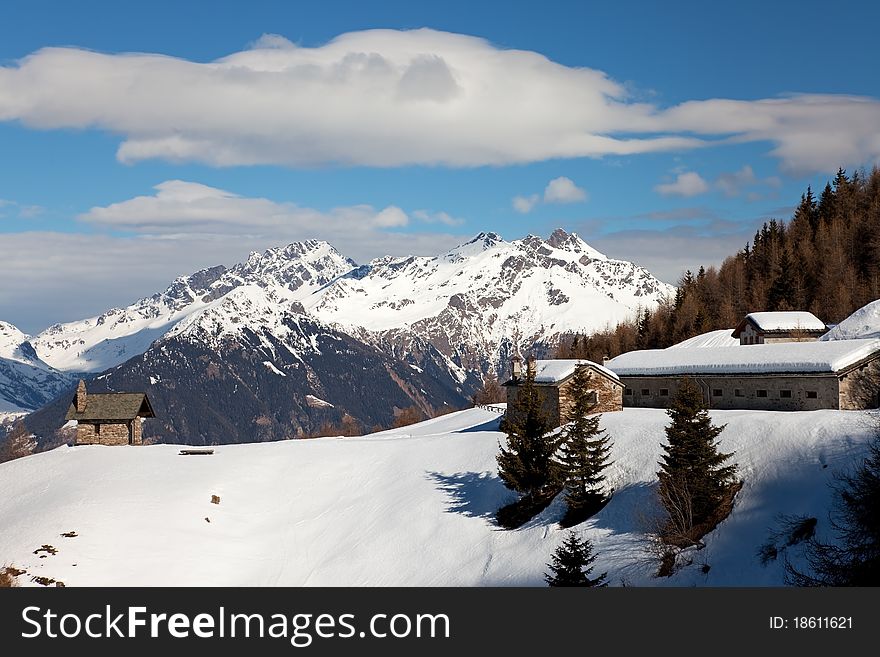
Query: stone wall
(805, 392)
(103, 433)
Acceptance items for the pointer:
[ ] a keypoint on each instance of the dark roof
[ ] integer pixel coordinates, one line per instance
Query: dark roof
(112, 406)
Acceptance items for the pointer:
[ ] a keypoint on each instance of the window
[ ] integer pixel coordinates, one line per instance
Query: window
(97, 429)
(628, 392)
(646, 392)
(593, 397)
(664, 392)
(717, 392)
(812, 394)
(762, 393)
(738, 393)
(785, 394)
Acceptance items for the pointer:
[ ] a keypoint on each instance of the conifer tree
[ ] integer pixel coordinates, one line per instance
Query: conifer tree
(572, 563)
(526, 465)
(584, 448)
(693, 478)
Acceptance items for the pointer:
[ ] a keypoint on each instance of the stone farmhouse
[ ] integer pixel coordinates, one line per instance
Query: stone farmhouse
(554, 378)
(108, 418)
(770, 327)
(781, 369)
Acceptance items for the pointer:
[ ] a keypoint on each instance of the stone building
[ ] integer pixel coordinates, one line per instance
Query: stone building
(554, 378)
(770, 327)
(108, 418)
(795, 376)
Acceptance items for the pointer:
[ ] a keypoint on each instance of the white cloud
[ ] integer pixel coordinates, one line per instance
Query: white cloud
(525, 204)
(685, 184)
(391, 217)
(437, 218)
(392, 98)
(563, 190)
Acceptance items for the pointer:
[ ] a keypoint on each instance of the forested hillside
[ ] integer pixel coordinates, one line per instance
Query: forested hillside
(825, 259)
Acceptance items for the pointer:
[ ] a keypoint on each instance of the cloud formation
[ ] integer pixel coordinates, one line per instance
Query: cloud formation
(558, 190)
(563, 190)
(686, 184)
(392, 98)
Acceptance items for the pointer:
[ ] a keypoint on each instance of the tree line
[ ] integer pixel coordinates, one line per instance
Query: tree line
(825, 259)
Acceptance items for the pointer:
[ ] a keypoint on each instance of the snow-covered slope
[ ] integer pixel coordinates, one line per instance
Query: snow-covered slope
(863, 323)
(719, 338)
(26, 382)
(479, 299)
(412, 506)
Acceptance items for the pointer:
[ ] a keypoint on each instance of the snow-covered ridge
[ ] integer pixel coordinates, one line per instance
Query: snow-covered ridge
(486, 293)
(97, 343)
(863, 323)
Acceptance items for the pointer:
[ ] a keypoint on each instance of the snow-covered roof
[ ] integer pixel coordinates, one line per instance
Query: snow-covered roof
(554, 371)
(753, 359)
(863, 323)
(784, 321)
(719, 338)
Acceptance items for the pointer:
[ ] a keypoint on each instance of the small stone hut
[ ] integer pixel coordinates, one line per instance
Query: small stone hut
(554, 379)
(108, 418)
(787, 326)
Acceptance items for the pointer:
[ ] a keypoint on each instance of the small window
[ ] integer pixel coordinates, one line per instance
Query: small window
(761, 393)
(97, 429)
(717, 392)
(738, 392)
(593, 397)
(646, 392)
(785, 394)
(628, 392)
(812, 394)
(664, 392)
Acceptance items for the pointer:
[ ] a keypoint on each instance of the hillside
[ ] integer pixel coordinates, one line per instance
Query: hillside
(407, 507)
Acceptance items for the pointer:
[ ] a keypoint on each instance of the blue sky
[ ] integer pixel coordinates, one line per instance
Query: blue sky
(663, 133)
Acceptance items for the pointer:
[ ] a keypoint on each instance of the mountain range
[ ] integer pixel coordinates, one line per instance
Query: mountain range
(300, 336)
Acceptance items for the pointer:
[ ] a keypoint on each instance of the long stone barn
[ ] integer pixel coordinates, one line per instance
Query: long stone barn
(553, 380)
(794, 376)
(108, 418)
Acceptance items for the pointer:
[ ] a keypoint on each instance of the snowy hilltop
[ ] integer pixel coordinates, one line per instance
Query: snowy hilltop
(404, 507)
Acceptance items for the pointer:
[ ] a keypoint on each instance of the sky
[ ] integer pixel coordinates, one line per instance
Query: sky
(141, 141)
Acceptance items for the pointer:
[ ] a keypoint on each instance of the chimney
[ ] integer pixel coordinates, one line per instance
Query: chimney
(81, 396)
(532, 365)
(605, 360)
(515, 367)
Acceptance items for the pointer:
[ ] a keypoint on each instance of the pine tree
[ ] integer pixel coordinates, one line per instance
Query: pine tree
(584, 449)
(527, 465)
(572, 563)
(781, 292)
(693, 478)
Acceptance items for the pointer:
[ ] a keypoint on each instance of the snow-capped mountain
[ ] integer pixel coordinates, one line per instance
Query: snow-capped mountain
(484, 297)
(472, 303)
(26, 382)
